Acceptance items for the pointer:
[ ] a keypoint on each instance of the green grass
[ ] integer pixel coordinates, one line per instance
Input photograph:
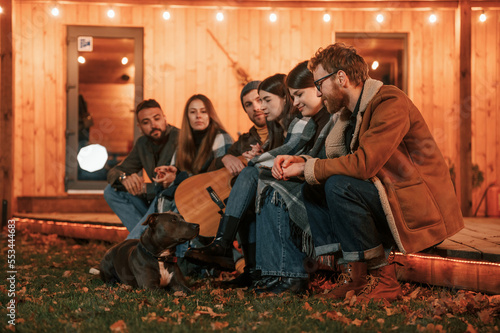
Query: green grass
(55, 293)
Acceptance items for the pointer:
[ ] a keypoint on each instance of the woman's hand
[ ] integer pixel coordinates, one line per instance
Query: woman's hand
(165, 175)
(288, 166)
(256, 151)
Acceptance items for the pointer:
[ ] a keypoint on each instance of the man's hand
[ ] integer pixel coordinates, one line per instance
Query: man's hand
(233, 164)
(165, 175)
(256, 151)
(134, 184)
(288, 166)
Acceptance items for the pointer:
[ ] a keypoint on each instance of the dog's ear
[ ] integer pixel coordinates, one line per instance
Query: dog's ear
(151, 220)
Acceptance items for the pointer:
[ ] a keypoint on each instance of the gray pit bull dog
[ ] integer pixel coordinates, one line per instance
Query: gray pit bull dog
(150, 261)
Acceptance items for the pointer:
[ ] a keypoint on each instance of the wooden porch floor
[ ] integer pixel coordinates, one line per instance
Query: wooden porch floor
(470, 259)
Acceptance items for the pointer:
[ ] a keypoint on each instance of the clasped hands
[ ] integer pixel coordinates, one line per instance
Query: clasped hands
(288, 166)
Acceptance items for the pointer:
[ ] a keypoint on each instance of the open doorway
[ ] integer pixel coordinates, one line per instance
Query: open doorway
(385, 53)
(104, 85)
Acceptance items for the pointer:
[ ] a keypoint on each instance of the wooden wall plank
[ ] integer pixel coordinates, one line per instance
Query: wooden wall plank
(28, 127)
(6, 110)
(39, 75)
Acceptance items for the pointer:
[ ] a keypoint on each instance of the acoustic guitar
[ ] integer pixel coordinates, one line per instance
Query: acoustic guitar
(200, 199)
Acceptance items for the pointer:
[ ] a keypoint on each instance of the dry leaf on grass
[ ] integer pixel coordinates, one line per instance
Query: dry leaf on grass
(119, 327)
(218, 325)
(201, 310)
(307, 307)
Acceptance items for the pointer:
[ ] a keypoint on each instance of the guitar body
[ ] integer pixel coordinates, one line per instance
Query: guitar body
(195, 203)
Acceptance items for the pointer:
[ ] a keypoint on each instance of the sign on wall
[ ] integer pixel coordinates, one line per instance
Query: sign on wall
(85, 44)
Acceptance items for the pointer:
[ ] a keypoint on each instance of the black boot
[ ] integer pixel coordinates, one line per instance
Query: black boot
(250, 274)
(218, 254)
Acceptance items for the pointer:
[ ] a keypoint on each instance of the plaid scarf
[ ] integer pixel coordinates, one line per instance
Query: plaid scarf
(301, 131)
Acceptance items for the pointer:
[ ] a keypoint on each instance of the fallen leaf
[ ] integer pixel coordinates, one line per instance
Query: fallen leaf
(200, 310)
(240, 294)
(381, 321)
(316, 316)
(414, 294)
(307, 307)
(180, 294)
(218, 325)
(390, 311)
(485, 316)
(66, 274)
(119, 327)
(357, 322)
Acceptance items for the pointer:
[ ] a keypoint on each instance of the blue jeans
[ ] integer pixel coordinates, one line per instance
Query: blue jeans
(276, 254)
(129, 208)
(346, 214)
(241, 199)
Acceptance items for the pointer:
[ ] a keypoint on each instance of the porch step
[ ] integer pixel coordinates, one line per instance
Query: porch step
(71, 203)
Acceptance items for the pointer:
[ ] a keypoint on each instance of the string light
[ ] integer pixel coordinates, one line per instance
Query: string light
(111, 13)
(124, 60)
(482, 17)
(433, 18)
(219, 16)
(166, 15)
(460, 261)
(1, 10)
(81, 60)
(375, 65)
(64, 224)
(380, 18)
(273, 17)
(326, 17)
(54, 11)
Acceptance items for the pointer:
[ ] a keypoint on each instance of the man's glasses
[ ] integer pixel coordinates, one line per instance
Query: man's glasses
(319, 82)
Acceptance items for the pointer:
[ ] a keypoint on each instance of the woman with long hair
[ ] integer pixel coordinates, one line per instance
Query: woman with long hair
(202, 136)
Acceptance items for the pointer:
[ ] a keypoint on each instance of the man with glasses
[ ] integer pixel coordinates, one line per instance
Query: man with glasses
(384, 185)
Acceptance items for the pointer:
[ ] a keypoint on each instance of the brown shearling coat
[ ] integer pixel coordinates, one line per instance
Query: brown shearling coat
(396, 151)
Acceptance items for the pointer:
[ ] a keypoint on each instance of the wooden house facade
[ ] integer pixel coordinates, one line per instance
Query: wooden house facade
(453, 71)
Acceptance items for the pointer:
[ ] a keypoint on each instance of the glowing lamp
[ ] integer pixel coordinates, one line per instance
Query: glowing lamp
(92, 157)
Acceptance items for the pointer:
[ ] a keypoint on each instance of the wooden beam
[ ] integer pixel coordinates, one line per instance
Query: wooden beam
(6, 109)
(465, 121)
(318, 4)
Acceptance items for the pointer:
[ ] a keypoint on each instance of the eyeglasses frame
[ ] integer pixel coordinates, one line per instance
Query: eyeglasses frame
(320, 81)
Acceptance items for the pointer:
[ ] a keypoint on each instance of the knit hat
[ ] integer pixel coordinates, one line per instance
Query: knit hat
(246, 89)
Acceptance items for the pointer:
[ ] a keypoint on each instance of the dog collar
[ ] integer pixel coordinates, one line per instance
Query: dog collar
(167, 258)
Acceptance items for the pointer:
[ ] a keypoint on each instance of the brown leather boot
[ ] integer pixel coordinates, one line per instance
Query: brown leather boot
(382, 284)
(353, 277)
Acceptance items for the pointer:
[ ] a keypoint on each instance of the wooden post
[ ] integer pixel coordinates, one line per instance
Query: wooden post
(6, 109)
(465, 145)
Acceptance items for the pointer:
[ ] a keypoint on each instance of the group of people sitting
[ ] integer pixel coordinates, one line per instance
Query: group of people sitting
(336, 163)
